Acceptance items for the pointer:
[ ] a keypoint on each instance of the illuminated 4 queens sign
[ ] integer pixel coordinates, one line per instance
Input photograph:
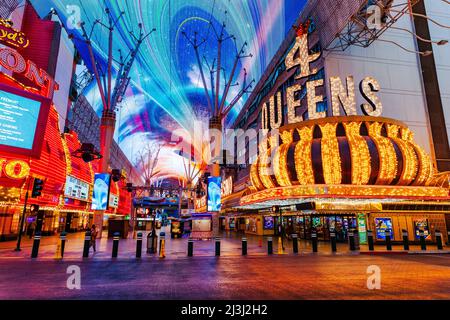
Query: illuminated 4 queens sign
(304, 100)
(341, 95)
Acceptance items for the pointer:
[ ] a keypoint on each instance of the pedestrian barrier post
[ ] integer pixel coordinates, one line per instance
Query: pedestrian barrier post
(217, 247)
(423, 245)
(244, 246)
(190, 247)
(314, 241)
(405, 240)
(438, 235)
(295, 243)
(139, 245)
(115, 248)
(387, 235)
(370, 239)
(333, 241)
(87, 240)
(36, 243)
(351, 240)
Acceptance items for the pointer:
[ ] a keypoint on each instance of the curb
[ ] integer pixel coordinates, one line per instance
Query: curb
(374, 253)
(429, 252)
(404, 252)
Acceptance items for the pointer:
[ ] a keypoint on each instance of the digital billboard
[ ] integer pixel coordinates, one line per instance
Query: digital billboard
(23, 118)
(76, 189)
(268, 223)
(382, 224)
(113, 201)
(214, 194)
(422, 225)
(100, 198)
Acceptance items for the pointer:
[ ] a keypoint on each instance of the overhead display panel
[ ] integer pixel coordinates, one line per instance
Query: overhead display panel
(76, 189)
(23, 118)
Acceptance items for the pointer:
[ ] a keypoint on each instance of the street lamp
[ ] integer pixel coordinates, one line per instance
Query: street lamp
(87, 152)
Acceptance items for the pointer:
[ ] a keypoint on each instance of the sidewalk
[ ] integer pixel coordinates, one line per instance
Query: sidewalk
(231, 245)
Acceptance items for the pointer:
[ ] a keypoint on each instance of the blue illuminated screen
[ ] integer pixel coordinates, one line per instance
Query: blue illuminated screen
(100, 198)
(18, 120)
(268, 223)
(382, 224)
(214, 198)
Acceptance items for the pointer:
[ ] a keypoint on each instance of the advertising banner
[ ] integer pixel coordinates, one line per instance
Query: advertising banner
(268, 223)
(362, 228)
(214, 194)
(76, 189)
(113, 201)
(23, 118)
(422, 224)
(382, 224)
(100, 198)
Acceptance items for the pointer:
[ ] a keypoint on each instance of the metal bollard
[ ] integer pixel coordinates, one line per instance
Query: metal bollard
(60, 248)
(370, 239)
(217, 246)
(387, 235)
(351, 240)
(314, 241)
(269, 245)
(139, 245)
(36, 242)
(244, 246)
(190, 247)
(115, 248)
(405, 240)
(152, 241)
(87, 240)
(295, 243)
(162, 245)
(333, 241)
(438, 235)
(423, 245)
(63, 238)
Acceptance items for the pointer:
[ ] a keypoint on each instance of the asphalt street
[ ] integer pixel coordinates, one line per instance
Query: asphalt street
(306, 276)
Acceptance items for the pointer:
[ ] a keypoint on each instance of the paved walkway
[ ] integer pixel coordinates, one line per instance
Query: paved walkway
(238, 278)
(176, 248)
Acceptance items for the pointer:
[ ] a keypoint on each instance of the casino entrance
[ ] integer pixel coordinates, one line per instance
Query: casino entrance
(302, 225)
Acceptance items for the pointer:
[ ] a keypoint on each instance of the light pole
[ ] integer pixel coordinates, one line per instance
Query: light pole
(22, 219)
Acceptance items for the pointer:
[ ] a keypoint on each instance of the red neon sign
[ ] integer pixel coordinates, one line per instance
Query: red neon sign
(13, 61)
(11, 36)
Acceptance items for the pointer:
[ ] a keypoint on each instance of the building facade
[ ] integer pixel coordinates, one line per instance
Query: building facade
(37, 64)
(331, 110)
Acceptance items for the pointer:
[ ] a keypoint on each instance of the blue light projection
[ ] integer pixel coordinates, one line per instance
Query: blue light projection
(166, 91)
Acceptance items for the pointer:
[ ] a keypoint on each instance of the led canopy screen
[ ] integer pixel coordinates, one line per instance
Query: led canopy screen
(100, 199)
(22, 121)
(214, 194)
